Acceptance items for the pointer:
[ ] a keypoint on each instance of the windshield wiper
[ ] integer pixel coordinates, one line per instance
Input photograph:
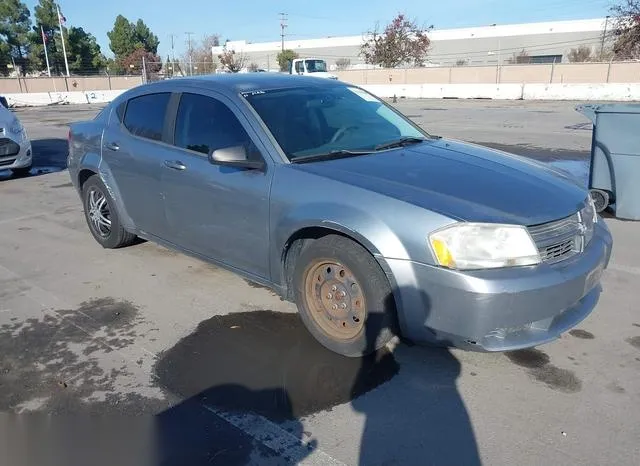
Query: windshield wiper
(403, 141)
(334, 154)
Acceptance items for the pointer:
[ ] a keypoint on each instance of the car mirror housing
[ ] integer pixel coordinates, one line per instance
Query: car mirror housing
(235, 156)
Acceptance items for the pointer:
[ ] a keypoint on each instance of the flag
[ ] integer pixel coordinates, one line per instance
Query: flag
(44, 38)
(61, 18)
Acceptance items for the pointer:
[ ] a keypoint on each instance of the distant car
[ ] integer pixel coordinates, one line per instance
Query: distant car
(328, 195)
(15, 146)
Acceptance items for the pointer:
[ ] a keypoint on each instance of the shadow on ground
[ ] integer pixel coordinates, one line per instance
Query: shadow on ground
(49, 155)
(249, 379)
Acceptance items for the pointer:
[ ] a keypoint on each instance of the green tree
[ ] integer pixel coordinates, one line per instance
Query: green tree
(285, 57)
(15, 24)
(5, 57)
(145, 38)
(84, 54)
(126, 37)
(46, 15)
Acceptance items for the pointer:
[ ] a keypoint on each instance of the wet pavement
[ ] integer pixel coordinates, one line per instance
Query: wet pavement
(230, 374)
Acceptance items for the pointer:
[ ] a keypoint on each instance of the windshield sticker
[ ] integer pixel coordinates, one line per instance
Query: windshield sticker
(363, 95)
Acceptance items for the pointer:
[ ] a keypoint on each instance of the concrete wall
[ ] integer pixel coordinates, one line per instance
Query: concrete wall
(62, 84)
(566, 73)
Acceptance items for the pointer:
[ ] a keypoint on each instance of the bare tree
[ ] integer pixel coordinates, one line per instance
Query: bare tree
(343, 63)
(626, 29)
(253, 67)
(580, 54)
(522, 58)
(232, 61)
(402, 42)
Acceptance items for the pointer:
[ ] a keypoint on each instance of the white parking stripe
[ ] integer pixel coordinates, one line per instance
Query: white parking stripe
(277, 439)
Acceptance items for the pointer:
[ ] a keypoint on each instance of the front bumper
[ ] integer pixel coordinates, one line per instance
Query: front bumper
(502, 309)
(15, 153)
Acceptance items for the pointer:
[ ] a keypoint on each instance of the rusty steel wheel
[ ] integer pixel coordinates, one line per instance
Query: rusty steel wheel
(334, 298)
(343, 296)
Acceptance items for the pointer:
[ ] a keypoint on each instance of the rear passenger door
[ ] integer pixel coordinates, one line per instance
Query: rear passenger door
(133, 150)
(217, 211)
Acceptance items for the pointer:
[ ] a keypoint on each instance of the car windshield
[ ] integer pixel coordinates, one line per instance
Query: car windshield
(312, 121)
(316, 66)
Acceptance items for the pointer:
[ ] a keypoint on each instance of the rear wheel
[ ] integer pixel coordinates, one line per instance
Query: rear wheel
(344, 297)
(101, 215)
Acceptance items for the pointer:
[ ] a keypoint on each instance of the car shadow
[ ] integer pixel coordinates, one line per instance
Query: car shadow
(49, 156)
(248, 380)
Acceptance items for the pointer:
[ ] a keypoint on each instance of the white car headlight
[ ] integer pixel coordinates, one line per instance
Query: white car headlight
(467, 246)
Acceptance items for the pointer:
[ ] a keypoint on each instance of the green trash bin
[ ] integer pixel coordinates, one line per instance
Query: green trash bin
(614, 174)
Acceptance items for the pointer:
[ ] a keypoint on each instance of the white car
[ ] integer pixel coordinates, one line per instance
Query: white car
(15, 146)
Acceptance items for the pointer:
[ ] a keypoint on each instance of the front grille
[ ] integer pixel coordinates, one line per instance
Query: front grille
(558, 240)
(8, 147)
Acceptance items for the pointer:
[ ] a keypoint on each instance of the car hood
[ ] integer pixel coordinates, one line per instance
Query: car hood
(462, 181)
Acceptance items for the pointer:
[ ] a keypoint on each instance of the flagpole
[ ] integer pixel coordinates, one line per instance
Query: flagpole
(64, 51)
(46, 55)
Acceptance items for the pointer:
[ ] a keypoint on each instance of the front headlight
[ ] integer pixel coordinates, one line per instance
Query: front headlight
(589, 217)
(467, 246)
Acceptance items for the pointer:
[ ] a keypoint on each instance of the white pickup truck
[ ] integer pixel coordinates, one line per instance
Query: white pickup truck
(311, 67)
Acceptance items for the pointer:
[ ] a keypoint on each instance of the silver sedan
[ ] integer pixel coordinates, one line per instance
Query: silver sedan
(328, 195)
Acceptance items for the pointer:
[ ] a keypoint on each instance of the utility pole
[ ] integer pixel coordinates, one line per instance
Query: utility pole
(283, 25)
(173, 52)
(189, 34)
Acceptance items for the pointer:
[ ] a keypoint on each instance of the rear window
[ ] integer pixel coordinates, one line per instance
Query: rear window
(145, 115)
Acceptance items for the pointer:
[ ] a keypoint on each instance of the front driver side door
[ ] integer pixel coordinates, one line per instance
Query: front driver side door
(219, 212)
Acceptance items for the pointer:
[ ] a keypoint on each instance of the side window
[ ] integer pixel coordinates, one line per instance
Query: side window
(145, 115)
(204, 124)
(299, 67)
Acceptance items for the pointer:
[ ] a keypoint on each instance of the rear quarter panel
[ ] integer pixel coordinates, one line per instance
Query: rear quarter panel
(85, 146)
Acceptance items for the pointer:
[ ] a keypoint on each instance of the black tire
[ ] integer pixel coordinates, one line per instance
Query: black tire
(600, 198)
(380, 320)
(21, 172)
(117, 237)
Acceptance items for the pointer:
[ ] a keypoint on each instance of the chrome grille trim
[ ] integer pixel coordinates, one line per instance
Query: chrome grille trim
(558, 240)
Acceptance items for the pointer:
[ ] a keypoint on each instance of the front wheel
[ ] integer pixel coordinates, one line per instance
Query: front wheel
(344, 297)
(21, 172)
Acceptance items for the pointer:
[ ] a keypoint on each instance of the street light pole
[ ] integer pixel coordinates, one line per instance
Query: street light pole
(189, 34)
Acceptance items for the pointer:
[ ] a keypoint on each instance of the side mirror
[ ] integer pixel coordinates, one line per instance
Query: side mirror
(235, 156)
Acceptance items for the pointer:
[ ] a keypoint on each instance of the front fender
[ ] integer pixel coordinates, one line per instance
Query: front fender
(370, 231)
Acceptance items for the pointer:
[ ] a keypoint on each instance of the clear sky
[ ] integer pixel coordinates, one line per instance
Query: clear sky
(258, 20)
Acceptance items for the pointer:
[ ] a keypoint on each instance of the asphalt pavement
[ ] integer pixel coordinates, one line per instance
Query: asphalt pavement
(231, 376)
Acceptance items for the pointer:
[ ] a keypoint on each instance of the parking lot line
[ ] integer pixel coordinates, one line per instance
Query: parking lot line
(277, 439)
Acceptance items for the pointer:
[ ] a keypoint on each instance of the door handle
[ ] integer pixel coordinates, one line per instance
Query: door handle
(112, 146)
(175, 164)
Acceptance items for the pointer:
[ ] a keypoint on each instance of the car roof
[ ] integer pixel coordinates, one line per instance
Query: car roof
(245, 82)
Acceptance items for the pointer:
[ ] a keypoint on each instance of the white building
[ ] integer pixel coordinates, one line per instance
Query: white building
(544, 42)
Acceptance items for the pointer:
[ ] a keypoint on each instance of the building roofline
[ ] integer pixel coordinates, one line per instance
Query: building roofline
(436, 35)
